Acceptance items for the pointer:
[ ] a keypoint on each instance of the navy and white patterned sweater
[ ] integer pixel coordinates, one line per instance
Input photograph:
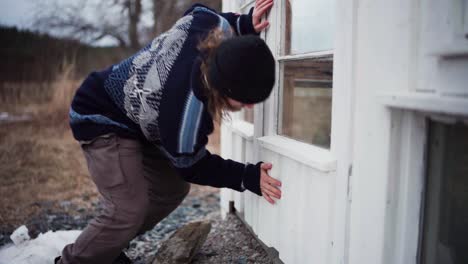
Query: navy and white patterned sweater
(156, 96)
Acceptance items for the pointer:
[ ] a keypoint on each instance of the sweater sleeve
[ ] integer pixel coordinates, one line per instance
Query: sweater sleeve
(183, 138)
(242, 24)
(205, 168)
(215, 171)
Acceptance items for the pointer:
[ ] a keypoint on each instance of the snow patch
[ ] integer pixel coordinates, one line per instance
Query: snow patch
(41, 250)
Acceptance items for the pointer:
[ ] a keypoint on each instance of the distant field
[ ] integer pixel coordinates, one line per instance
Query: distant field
(39, 159)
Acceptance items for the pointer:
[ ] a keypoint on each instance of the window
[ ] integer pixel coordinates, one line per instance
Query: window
(307, 97)
(306, 71)
(309, 26)
(445, 221)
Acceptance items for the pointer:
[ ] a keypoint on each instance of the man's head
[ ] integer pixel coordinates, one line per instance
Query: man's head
(243, 70)
(234, 106)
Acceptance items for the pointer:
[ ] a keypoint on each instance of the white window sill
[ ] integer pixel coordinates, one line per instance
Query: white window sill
(241, 128)
(312, 156)
(426, 103)
(455, 50)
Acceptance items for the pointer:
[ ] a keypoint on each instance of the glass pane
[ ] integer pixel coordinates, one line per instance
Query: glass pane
(309, 26)
(445, 231)
(307, 100)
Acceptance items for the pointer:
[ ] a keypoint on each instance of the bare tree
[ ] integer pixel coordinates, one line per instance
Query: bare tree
(166, 13)
(91, 21)
(134, 10)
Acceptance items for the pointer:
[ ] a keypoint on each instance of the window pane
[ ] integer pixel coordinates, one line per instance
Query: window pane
(445, 231)
(309, 26)
(307, 99)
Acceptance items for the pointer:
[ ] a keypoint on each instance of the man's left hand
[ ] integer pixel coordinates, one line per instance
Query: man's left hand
(260, 9)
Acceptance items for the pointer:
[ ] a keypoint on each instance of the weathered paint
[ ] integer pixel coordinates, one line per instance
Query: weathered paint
(396, 64)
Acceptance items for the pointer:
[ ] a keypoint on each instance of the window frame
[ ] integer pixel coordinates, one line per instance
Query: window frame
(267, 114)
(433, 179)
(406, 190)
(273, 119)
(238, 123)
(281, 62)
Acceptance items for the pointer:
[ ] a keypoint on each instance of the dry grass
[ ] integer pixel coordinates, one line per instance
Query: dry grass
(39, 159)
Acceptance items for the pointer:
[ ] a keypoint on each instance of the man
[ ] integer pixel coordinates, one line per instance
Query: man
(143, 124)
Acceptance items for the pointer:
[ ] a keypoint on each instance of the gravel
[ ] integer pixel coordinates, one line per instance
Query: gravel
(228, 242)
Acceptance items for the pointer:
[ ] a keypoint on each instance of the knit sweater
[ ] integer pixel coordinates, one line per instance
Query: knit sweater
(156, 96)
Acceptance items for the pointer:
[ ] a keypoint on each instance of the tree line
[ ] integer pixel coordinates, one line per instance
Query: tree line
(119, 20)
(30, 56)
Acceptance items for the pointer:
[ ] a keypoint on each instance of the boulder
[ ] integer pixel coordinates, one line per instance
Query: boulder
(184, 244)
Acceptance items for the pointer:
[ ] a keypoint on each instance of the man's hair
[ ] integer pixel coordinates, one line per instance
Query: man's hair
(216, 102)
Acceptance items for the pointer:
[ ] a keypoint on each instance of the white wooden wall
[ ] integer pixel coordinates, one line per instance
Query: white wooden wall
(396, 64)
(299, 225)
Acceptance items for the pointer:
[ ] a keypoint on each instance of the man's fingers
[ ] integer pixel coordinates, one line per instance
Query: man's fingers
(262, 10)
(263, 25)
(259, 2)
(271, 180)
(268, 198)
(266, 166)
(264, 3)
(272, 191)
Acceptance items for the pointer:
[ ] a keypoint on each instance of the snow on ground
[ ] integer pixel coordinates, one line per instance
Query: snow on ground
(41, 250)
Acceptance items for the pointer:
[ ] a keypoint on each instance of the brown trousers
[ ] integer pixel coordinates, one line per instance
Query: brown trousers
(139, 188)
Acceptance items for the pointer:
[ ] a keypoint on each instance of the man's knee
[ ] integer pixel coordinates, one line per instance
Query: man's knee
(185, 189)
(162, 207)
(179, 195)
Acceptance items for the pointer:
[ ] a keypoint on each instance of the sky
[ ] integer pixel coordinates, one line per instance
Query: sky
(16, 12)
(20, 13)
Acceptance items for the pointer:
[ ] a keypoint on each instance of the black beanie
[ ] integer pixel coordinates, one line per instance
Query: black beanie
(243, 69)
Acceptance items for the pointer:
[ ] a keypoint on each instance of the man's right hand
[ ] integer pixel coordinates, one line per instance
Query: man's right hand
(269, 186)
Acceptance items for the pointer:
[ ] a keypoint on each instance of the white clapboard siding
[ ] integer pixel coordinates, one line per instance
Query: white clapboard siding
(298, 225)
(225, 194)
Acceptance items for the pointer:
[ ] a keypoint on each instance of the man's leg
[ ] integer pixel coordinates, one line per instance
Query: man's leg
(166, 188)
(116, 166)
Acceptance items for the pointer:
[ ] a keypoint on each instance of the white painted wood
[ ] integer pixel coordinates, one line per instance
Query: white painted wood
(238, 152)
(360, 201)
(226, 195)
(432, 103)
(342, 126)
(406, 183)
(269, 119)
(247, 5)
(242, 128)
(298, 225)
(383, 48)
(453, 79)
(451, 51)
(309, 55)
(465, 19)
(310, 155)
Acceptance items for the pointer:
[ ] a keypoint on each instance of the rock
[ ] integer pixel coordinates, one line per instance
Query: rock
(184, 244)
(20, 235)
